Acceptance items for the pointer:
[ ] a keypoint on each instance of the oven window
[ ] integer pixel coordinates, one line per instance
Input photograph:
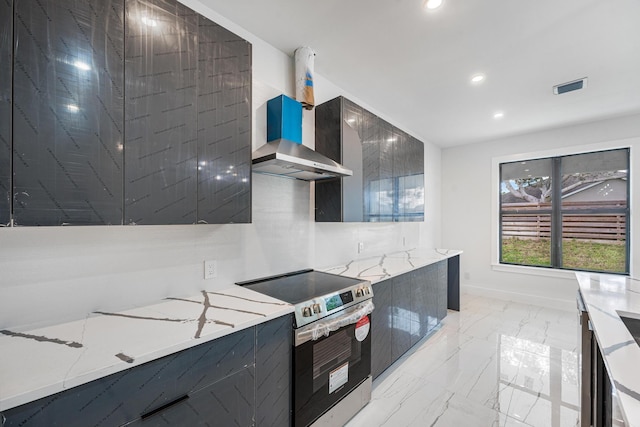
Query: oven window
(332, 352)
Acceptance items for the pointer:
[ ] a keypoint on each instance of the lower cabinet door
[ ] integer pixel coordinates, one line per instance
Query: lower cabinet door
(122, 397)
(381, 327)
(403, 322)
(229, 402)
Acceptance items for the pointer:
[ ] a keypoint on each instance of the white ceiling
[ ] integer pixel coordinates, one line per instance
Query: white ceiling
(414, 66)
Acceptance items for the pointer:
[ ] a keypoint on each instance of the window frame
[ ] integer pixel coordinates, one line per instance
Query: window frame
(557, 211)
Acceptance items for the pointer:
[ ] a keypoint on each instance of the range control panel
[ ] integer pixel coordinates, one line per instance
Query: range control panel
(317, 308)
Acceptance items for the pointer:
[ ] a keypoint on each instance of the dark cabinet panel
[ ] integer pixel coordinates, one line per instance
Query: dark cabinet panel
(402, 315)
(388, 167)
(453, 283)
(229, 402)
(125, 396)
(6, 59)
(273, 372)
(161, 113)
(68, 112)
(102, 124)
(224, 125)
(240, 379)
(407, 308)
(329, 203)
(424, 302)
(408, 172)
(442, 284)
(381, 327)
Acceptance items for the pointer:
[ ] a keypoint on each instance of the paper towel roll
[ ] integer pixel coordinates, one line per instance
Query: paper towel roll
(304, 61)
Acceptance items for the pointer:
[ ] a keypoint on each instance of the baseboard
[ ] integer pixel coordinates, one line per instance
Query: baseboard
(560, 304)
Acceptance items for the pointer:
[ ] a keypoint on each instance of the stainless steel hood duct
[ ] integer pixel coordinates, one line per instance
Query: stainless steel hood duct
(293, 160)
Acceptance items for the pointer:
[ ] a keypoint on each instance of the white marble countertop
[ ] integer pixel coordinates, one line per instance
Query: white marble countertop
(605, 295)
(41, 362)
(37, 363)
(388, 265)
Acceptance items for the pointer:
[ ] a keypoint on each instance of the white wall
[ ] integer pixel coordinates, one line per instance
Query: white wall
(469, 201)
(55, 274)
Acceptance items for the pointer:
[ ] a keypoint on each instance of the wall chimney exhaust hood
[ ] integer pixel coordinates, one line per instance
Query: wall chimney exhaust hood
(283, 154)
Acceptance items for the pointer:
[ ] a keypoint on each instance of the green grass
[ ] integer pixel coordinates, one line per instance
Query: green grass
(576, 254)
(528, 252)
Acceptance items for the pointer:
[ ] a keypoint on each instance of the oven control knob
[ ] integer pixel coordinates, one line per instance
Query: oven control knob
(367, 290)
(359, 293)
(316, 308)
(306, 312)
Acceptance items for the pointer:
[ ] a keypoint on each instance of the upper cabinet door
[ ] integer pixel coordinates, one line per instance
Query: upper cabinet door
(388, 167)
(6, 42)
(224, 125)
(408, 171)
(126, 112)
(161, 113)
(67, 112)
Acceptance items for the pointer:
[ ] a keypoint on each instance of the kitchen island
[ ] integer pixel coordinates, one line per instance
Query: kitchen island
(606, 297)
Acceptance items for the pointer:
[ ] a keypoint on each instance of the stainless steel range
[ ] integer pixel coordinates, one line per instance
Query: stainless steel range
(332, 353)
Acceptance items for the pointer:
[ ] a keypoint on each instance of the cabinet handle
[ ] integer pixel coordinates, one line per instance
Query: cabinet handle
(163, 407)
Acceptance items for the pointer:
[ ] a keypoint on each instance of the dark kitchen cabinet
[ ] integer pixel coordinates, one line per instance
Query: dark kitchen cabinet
(188, 118)
(67, 112)
(274, 342)
(228, 402)
(6, 59)
(599, 406)
(403, 317)
(381, 327)
(161, 112)
(388, 167)
(224, 125)
(453, 283)
(75, 150)
(407, 308)
(239, 379)
(427, 305)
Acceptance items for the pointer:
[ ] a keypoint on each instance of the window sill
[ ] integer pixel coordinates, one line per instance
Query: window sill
(534, 271)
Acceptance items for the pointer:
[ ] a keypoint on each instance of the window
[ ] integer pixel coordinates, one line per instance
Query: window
(567, 212)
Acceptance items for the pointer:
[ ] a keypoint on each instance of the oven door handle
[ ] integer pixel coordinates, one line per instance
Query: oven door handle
(322, 328)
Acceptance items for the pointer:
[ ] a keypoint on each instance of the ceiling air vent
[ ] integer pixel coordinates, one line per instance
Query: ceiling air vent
(570, 86)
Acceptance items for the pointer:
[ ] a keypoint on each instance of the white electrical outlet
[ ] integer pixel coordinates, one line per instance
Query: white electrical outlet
(360, 247)
(210, 269)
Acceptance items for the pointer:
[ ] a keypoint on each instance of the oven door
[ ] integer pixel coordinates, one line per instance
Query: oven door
(332, 357)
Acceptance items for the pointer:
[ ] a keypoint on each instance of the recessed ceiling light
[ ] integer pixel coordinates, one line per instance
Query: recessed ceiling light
(432, 4)
(477, 78)
(498, 115)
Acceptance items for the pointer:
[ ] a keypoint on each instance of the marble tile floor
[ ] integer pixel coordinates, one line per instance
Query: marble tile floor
(494, 363)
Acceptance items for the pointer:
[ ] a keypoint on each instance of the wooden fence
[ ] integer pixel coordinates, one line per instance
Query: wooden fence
(527, 221)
